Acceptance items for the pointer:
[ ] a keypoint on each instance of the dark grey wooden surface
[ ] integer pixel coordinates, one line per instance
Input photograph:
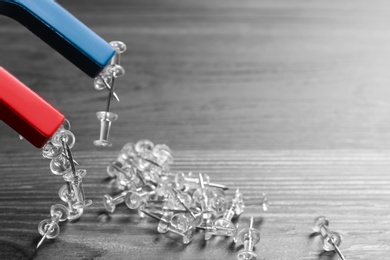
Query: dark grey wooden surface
(287, 97)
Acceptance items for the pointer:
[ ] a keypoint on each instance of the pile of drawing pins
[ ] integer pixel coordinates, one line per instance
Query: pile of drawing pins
(179, 202)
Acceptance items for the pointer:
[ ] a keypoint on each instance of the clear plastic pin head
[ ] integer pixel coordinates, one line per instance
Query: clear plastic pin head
(133, 200)
(67, 196)
(76, 182)
(128, 152)
(102, 81)
(182, 225)
(106, 118)
(60, 165)
(63, 136)
(163, 154)
(264, 202)
(163, 224)
(114, 168)
(330, 239)
(115, 70)
(319, 222)
(51, 151)
(144, 146)
(61, 211)
(111, 202)
(238, 202)
(47, 226)
(219, 202)
(248, 236)
(119, 46)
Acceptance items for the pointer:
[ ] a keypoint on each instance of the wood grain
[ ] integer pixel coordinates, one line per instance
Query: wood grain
(288, 97)
(349, 187)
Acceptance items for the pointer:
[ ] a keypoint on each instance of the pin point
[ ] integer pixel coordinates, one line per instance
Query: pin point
(49, 228)
(62, 31)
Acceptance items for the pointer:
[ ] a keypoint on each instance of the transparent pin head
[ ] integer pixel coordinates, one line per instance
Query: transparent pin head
(189, 235)
(99, 82)
(77, 177)
(63, 135)
(128, 152)
(66, 125)
(331, 240)
(163, 154)
(320, 222)
(246, 255)
(113, 168)
(105, 118)
(144, 162)
(127, 179)
(179, 180)
(129, 173)
(59, 211)
(183, 225)
(144, 146)
(224, 223)
(119, 46)
(51, 151)
(238, 202)
(162, 188)
(133, 200)
(265, 203)
(180, 223)
(219, 202)
(76, 183)
(52, 228)
(248, 234)
(82, 204)
(209, 229)
(202, 196)
(75, 213)
(60, 165)
(163, 224)
(108, 203)
(63, 193)
(115, 70)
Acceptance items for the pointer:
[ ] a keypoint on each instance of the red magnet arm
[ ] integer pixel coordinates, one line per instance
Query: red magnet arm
(26, 112)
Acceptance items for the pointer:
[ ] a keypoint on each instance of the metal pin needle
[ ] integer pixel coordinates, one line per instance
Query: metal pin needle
(43, 237)
(109, 88)
(337, 250)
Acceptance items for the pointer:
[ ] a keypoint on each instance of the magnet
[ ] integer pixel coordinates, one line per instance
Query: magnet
(62, 31)
(26, 112)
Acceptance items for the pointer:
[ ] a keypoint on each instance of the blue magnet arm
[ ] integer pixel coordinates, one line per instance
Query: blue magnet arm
(62, 31)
